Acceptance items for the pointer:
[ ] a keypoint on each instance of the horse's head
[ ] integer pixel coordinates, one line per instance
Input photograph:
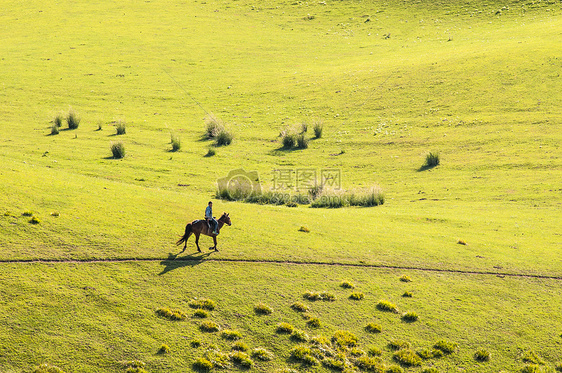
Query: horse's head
(225, 219)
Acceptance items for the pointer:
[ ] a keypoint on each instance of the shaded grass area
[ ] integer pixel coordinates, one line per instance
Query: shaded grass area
(92, 314)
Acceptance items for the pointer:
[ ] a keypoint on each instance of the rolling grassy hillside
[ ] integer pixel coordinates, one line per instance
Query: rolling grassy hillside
(477, 82)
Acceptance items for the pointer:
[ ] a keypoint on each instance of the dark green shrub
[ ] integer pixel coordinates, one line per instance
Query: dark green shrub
(318, 127)
(176, 143)
(118, 150)
(54, 129)
(224, 138)
(73, 120)
(302, 142)
(482, 355)
(373, 328)
(121, 128)
(289, 141)
(58, 120)
(407, 357)
(431, 160)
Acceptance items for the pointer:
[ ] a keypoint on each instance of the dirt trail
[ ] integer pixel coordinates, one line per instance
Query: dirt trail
(196, 259)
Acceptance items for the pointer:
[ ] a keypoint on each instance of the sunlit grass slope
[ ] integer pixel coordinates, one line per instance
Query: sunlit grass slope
(476, 82)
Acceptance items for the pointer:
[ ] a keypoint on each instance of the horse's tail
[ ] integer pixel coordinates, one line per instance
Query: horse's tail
(186, 235)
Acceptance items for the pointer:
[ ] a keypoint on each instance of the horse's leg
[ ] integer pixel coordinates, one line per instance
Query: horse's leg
(197, 241)
(215, 242)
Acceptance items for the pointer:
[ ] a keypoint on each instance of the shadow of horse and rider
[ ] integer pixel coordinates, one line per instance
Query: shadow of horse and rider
(197, 228)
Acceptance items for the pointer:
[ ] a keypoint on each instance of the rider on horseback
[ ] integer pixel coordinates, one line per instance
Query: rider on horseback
(210, 219)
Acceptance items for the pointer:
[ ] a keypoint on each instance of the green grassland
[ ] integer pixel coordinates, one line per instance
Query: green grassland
(478, 82)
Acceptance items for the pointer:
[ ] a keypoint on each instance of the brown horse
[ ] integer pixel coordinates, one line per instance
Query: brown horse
(199, 227)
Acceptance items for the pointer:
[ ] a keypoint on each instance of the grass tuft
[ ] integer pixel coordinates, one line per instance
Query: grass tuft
(263, 309)
(213, 126)
(398, 344)
(299, 352)
(299, 336)
(410, 317)
(374, 351)
(209, 326)
(262, 354)
(241, 359)
(370, 364)
(532, 358)
(446, 347)
(407, 357)
(288, 140)
(284, 328)
(57, 121)
(240, 346)
(343, 338)
(164, 349)
(430, 370)
(405, 278)
(407, 294)
(532, 368)
(224, 137)
(231, 335)
(195, 343)
(318, 127)
(201, 314)
(72, 119)
(482, 355)
(118, 150)
(121, 128)
(304, 229)
(219, 359)
(54, 129)
(171, 314)
(176, 143)
(357, 296)
(394, 369)
(431, 160)
(302, 142)
(202, 365)
(314, 296)
(211, 152)
(558, 367)
(313, 322)
(34, 220)
(299, 307)
(386, 306)
(373, 328)
(347, 284)
(205, 304)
